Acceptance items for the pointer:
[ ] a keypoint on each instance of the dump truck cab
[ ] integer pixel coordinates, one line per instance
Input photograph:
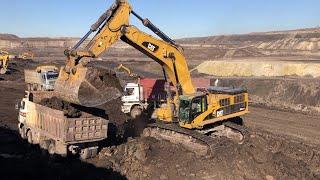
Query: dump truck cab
(49, 78)
(22, 109)
(43, 78)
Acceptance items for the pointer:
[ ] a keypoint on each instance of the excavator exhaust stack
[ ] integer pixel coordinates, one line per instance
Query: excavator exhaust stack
(88, 86)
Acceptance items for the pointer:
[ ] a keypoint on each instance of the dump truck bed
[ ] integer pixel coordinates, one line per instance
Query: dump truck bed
(55, 125)
(31, 76)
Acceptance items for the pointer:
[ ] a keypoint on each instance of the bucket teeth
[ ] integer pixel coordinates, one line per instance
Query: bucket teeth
(88, 86)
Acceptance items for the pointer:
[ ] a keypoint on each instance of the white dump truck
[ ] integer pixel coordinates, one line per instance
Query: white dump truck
(42, 78)
(149, 93)
(57, 133)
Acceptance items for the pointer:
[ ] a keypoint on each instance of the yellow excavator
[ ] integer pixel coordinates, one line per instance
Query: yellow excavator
(196, 114)
(4, 61)
(26, 55)
(126, 70)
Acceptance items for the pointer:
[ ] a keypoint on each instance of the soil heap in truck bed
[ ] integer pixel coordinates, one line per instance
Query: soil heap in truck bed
(58, 104)
(71, 110)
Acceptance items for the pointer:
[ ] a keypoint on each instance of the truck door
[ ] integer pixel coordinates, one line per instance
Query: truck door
(22, 112)
(44, 79)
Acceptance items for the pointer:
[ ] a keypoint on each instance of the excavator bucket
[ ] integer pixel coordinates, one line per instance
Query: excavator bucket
(88, 86)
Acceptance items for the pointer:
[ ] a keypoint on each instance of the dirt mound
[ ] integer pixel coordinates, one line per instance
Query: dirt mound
(16, 70)
(124, 124)
(284, 93)
(20, 160)
(8, 37)
(58, 104)
(262, 156)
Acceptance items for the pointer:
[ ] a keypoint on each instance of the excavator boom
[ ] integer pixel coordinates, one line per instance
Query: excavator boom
(112, 26)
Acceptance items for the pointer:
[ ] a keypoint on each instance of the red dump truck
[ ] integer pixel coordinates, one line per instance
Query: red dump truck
(57, 133)
(148, 93)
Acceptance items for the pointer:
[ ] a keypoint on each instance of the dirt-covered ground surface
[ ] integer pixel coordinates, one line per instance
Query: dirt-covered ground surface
(282, 145)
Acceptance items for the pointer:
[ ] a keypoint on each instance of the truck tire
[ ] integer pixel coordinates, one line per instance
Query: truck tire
(22, 133)
(52, 148)
(29, 137)
(135, 112)
(44, 144)
(85, 154)
(88, 153)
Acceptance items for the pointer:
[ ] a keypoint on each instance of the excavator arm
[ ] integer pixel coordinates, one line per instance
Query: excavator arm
(112, 26)
(167, 55)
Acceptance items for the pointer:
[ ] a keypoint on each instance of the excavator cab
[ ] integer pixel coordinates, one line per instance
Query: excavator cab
(191, 107)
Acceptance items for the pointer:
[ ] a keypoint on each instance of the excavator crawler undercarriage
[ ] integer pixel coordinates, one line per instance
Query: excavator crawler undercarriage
(202, 142)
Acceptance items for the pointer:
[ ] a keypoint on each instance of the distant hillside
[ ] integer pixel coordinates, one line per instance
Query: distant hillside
(8, 37)
(301, 42)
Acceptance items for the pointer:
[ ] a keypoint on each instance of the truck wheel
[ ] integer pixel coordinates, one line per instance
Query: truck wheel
(22, 132)
(44, 144)
(88, 153)
(52, 148)
(29, 137)
(85, 154)
(135, 112)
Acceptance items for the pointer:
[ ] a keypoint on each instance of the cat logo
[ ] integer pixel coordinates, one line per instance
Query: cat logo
(150, 46)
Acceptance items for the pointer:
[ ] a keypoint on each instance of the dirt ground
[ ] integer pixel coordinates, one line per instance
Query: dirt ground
(281, 145)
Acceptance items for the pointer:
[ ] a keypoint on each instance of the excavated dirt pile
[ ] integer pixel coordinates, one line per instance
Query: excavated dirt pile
(283, 93)
(16, 70)
(263, 156)
(58, 104)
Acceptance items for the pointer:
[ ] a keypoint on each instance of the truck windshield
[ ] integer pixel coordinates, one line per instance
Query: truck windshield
(129, 91)
(52, 75)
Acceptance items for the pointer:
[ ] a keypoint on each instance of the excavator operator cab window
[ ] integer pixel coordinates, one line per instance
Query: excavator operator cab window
(192, 108)
(184, 110)
(198, 106)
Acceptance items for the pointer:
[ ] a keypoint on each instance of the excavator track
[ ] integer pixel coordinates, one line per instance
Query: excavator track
(212, 142)
(242, 129)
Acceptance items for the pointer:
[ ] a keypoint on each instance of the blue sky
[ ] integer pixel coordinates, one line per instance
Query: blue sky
(177, 18)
